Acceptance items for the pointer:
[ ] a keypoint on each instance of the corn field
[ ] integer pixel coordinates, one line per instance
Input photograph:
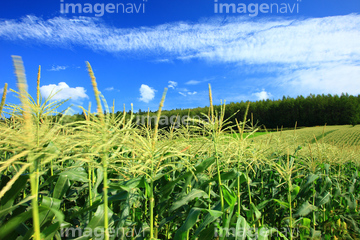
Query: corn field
(108, 178)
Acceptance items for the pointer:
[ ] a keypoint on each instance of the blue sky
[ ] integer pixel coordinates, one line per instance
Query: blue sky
(302, 47)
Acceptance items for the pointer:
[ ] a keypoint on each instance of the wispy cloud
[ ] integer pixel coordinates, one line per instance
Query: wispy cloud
(146, 93)
(110, 89)
(172, 84)
(1, 90)
(182, 89)
(315, 47)
(165, 60)
(193, 82)
(57, 68)
(196, 82)
(235, 40)
(65, 92)
(187, 93)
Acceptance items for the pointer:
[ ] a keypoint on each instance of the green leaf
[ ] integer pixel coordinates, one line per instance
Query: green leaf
(168, 188)
(352, 186)
(188, 224)
(49, 205)
(327, 185)
(8, 199)
(50, 231)
(242, 228)
(351, 201)
(305, 209)
(18, 220)
(229, 195)
(207, 233)
(323, 199)
(305, 227)
(315, 234)
(147, 189)
(14, 222)
(305, 188)
(306, 222)
(284, 204)
(21, 203)
(263, 233)
(294, 192)
(61, 187)
(204, 165)
(98, 218)
(78, 175)
(127, 185)
(255, 210)
(97, 223)
(209, 218)
(232, 174)
(187, 198)
(117, 197)
(263, 204)
(215, 213)
(121, 196)
(99, 179)
(51, 148)
(311, 178)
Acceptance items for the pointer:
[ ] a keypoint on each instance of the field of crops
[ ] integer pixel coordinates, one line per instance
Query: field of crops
(107, 178)
(341, 136)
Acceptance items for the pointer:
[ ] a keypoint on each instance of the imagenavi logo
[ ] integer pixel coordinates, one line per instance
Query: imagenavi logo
(253, 9)
(99, 9)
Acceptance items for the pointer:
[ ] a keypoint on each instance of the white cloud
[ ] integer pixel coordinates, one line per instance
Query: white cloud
(192, 82)
(192, 93)
(172, 84)
(327, 78)
(147, 93)
(263, 95)
(1, 90)
(109, 89)
(184, 94)
(57, 68)
(65, 91)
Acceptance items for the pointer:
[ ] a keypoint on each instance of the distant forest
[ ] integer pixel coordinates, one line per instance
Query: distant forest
(314, 110)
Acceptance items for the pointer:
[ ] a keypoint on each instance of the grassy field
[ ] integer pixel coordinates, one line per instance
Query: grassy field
(107, 178)
(250, 135)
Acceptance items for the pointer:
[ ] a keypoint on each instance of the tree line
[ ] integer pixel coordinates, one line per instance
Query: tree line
(313, 110)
